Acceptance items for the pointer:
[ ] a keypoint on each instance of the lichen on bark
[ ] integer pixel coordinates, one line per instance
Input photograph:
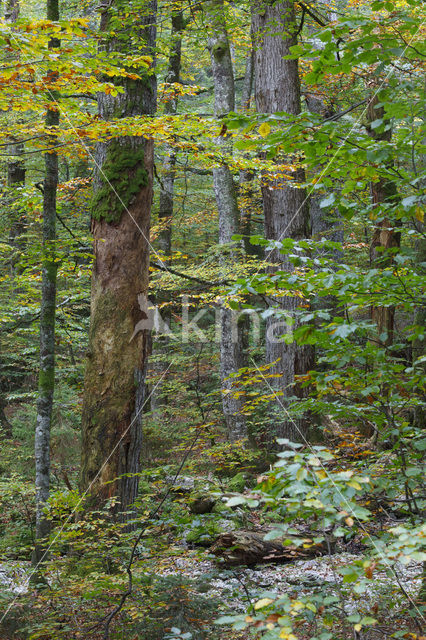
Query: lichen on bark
(122, 177)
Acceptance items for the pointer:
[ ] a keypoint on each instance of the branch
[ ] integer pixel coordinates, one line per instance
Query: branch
(163, 267)
(336, 116)
(318, 20)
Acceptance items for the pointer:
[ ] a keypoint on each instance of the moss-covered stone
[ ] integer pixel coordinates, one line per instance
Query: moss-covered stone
(237, 483)
(123, 176)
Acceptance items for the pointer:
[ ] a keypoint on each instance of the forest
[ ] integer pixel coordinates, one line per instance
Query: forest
(212, 306)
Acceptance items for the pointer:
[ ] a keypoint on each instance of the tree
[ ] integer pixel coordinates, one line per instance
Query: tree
(231, 344)
(286, 211)
(167, 188)
(46, 383)
(386, 238)
(114, 386)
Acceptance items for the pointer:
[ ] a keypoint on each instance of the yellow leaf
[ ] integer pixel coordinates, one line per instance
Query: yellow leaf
(264, 129)
(349, 522)
(358, 627)
(420, 214)
(355, 485)
(264, 602)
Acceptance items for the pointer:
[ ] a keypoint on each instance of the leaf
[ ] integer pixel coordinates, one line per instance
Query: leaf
(264, 602)
(327, 202)
(408, 202)
(233, 502)
(264, 129)
(420, 214)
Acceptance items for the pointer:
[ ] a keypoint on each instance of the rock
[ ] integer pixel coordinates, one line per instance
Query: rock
(202, 504)
(237, 483)
(183, 485)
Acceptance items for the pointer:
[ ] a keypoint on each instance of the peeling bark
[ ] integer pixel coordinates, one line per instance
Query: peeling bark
(114, 391)
(277, 88)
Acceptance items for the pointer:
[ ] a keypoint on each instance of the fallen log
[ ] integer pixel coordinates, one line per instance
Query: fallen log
(235, 548)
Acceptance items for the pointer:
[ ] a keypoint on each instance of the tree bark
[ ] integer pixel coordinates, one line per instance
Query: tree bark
(386, 238)
(236, 548)
(167, 206)
(15, 166)
(46, 382)
(115, 373)
(286, 213)
(231, 352)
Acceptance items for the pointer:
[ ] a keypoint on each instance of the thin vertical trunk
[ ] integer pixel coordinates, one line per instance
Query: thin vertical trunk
(277, 88)
(386, 238)
(47, 324)
(231, 350)
(248, 80)
(167, 202)
(15, 166)
(121, 206)
(15, 178)
(246, 177)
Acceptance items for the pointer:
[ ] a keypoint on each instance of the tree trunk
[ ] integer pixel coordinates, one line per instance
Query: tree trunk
(47, 324)
(114, 382)
(386, 238)
(231, 352)
(167, 206)
(236, 548)
(15, 178)
(277, 88)
(15, 166)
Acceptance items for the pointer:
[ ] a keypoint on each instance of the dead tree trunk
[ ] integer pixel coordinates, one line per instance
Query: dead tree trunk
(117, 355)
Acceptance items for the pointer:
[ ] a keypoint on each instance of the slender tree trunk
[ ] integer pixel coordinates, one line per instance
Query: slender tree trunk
(47, 324)
(231, 352)
(15, 166)
(167, 203)
(246, 93)
(115, 373)
(386, 237)
(246, 192)
(277, 88)
(15, 178)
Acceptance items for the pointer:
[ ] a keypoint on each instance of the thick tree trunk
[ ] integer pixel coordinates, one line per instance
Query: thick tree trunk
(277, 88)
(121, 206)
(47, 326)
(231, 352)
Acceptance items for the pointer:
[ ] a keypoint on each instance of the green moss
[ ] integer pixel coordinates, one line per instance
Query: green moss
(46, 380)
(219, 50)
(123, 176)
